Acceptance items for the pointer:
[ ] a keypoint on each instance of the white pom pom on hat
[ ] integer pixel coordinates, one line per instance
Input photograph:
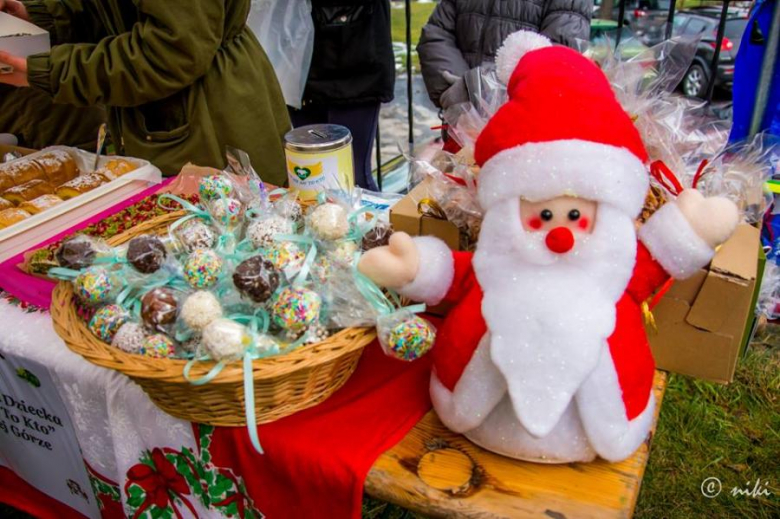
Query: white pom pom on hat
(515, 46)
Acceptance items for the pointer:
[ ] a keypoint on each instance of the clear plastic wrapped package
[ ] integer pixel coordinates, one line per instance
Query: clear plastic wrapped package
(404, 335)
(739, 173)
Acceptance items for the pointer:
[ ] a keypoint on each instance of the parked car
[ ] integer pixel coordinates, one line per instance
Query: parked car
(604, 33)
(646, 18)
(704, 23)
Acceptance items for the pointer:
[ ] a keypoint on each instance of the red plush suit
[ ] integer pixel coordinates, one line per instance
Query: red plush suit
(464, 327)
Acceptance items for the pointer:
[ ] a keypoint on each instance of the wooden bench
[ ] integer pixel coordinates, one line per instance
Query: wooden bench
(439, 473)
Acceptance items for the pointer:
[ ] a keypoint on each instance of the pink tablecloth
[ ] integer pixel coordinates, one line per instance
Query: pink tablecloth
(37, 291)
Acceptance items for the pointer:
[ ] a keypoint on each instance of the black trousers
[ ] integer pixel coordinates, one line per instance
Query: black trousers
(361, 119)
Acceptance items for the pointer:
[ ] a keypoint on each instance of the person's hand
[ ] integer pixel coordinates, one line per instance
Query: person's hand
(393, 266)
(713, 219)
(19, 75)
(14, 8)
(456, 93)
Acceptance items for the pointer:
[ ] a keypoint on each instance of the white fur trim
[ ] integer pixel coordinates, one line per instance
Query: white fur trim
(603, 413)
(479, 390)
(515, 46)
(543, 170)
(673, 242)
(435, 273)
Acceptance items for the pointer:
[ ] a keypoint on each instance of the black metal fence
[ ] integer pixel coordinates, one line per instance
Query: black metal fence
(762, 94)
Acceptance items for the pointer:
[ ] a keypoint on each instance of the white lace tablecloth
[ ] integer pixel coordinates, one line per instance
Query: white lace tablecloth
(113, 418)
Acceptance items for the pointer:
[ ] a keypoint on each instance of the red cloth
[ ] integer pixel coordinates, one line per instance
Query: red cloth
(558, 80)
(16, 492)
(316, 461)
(459, 335)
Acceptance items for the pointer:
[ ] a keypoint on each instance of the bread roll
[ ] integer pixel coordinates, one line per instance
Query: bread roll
(58, 166)
(119, 167)
(11, 216)
(19, 172)
(41, 203)
(27, 191)
(5, 204)
(80, 184)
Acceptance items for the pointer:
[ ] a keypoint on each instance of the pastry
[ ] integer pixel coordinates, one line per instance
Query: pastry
(158, 308)
(80, 184)
(146, 253)
(256, 278)
(58, 166)
(5, 204)
(199, 309)
(118, 167)
(76, 253)
(11, 216)
(43, 202)
(28, 191)
(329, 222)
(18, 172)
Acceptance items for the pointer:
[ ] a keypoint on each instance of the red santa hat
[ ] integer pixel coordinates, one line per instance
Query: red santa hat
(562, 131)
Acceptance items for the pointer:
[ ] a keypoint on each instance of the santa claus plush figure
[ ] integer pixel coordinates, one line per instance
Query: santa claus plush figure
(544, 356)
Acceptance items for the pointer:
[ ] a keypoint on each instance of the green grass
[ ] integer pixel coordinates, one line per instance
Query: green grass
(420, 14)
(710, 430)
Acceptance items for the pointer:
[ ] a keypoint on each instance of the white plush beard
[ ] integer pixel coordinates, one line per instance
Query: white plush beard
(549, 315)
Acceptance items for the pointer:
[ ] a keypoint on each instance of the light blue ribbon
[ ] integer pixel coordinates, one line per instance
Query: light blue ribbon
(258, 324)
(63, 274)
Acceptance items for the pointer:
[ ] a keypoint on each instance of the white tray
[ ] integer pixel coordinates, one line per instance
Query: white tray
(39, 227)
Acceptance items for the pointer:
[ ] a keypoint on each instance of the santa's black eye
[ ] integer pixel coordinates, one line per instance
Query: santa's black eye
(574, 215)
(546, 215)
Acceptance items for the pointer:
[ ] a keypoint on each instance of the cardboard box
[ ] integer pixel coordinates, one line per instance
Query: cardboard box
(705, 321)
(21, 38)
(406, 217)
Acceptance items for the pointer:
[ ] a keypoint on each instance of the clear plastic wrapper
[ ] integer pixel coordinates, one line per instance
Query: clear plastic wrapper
(377, 236)
(344, 301)
(97, 285)
(224, 339)
(194, 233)
(146, 253)
(160, 308)
(80, 252)
(256, 278)
(328, 221)
(404, 335)
(739, 173)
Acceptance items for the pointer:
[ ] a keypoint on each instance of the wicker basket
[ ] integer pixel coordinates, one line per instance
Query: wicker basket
(283, 385)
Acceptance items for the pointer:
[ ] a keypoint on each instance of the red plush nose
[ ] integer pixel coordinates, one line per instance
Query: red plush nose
(560, 240)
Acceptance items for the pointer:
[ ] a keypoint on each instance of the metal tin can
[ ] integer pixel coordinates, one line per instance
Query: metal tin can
(319, 157)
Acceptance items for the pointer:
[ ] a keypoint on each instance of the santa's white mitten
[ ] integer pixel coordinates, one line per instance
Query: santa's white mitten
(712, 219)
(393, 266)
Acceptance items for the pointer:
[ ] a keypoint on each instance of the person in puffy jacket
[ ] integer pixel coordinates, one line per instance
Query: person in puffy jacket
(181, 78)
(463, 34)
(352, 72)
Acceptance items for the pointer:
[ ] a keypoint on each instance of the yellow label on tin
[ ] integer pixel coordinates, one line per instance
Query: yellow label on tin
(311, 173)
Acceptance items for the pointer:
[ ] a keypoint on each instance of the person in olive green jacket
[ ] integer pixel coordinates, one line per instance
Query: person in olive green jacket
(181, 78)
(36, 122)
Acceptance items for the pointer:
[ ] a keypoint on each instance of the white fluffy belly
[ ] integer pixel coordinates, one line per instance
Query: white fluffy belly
(501, 432)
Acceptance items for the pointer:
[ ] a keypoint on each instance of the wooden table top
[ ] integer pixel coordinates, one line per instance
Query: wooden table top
(439, 473)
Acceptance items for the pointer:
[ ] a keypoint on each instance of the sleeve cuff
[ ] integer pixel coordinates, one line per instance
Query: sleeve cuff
(435, 273)
(41, 16)
(39, 72)
(673, 242)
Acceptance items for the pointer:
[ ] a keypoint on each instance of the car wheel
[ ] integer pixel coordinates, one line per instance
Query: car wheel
(694, 83)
